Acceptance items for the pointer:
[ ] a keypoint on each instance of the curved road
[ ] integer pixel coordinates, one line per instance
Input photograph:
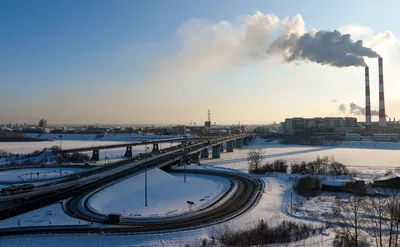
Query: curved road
(248, 192)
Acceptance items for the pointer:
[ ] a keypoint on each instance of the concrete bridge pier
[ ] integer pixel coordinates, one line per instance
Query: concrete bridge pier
(155, 148)
(238, 143)
(246, 141)
(221, 149)
(216, 153)
(96, 155)
(128, 152)
(229, 146)
(204, 153)
(195, 158)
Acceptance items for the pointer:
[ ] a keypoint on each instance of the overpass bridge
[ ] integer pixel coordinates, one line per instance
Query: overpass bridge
(128, 146)
(231, 142)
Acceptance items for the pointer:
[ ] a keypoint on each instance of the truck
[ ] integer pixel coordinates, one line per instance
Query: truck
(114, 218)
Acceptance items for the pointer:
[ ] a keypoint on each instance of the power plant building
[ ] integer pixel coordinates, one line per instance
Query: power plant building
(299, 125)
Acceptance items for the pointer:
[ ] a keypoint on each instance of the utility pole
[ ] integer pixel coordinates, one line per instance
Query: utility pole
(145, 174)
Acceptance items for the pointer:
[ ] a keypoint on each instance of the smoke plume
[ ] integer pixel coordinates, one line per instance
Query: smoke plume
(328, 48)
(360, 111)
(342, 108)
(208, 47)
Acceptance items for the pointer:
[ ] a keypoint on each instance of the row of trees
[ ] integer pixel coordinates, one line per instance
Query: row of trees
(324, 165)
(263, 233)
(72, 158)
(11, 156)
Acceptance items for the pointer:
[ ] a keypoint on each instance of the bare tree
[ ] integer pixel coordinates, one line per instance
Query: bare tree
(255, 158)
(348, 213)
(376, 208)
(392, 213)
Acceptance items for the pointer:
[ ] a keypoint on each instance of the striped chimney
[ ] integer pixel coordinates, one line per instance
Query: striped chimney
(382, 114)
(368, 123)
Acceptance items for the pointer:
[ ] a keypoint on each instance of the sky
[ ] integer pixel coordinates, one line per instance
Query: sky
(168, 62)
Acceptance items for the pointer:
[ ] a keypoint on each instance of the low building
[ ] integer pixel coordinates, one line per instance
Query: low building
(352, 137)
(385, 137)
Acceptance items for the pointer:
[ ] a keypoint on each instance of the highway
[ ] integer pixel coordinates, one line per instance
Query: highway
(247, 193)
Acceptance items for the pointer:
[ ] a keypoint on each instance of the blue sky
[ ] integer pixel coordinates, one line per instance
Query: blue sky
(73, 55)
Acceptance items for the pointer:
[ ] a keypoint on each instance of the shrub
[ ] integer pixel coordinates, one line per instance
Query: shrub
(308, 186)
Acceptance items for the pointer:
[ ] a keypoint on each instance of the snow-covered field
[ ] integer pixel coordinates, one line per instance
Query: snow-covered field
(35, 174)
(362, 157)
(105, 137)
(273, 207)
(76, 141)
(167, 194)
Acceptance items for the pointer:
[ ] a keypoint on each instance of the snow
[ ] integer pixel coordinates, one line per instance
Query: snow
(49, 215)
(362, 157)
(387, 177)
(105, 137)
(23, 175)
(76, 141)
(167, 194)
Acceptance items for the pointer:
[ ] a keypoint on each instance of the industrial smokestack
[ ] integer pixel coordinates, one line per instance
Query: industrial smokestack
(368, 123)
(382, 114)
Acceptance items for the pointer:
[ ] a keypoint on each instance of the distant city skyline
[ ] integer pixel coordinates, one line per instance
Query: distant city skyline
(138, 62)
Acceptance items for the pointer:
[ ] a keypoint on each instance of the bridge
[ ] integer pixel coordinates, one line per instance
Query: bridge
(231, 142)
(128, 146)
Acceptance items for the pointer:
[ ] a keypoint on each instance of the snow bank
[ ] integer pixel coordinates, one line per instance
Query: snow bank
(167, 194)
(387, 177)
(50, 215)
(330, 182)
(35, 174)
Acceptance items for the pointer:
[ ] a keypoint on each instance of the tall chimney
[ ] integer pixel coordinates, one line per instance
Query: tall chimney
(368, 123)
(382, 114)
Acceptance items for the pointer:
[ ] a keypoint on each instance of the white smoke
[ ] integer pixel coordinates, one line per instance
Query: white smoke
(208, 47)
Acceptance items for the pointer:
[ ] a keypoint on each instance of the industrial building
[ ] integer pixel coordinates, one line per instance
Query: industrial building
(293, 126)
